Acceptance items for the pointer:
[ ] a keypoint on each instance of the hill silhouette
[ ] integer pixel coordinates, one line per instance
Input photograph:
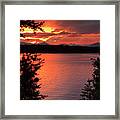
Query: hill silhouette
(46, 48)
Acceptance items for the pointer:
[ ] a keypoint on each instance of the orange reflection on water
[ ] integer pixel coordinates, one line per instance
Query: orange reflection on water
(63, 75)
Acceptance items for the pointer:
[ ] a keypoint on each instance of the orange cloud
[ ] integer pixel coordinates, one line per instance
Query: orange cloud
(64, 32)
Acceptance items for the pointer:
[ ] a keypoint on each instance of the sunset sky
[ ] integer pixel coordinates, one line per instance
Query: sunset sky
(56, 32)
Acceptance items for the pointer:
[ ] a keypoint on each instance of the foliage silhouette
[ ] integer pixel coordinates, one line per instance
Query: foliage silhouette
(29, 87)
(91, 90)
(31, 24)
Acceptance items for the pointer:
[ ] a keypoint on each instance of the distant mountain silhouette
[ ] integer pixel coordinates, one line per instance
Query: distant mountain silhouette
(46, 48)
(24, 43)
(94, 45)
(74, 44)
(89, 45)
(44, 43)
(71, 44)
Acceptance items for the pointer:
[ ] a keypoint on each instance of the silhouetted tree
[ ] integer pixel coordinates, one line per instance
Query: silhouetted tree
(31, 24)
(29, 87)
(91, 90)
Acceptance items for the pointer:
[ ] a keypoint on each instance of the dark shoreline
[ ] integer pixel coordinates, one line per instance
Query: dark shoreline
(58, 49)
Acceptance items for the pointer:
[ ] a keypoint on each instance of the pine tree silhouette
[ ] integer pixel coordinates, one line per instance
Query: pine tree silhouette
(29, 87)
(91, 90)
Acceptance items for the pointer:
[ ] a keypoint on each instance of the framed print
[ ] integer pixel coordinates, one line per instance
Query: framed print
(59, 59)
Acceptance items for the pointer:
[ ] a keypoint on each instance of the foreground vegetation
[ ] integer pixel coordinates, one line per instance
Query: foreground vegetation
(29, 82)
(91, 90)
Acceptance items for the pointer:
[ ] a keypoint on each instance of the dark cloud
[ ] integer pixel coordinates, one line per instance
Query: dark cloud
(38, 35)
(81, 26)
(43, 35)
(74, 35)
(64, 33)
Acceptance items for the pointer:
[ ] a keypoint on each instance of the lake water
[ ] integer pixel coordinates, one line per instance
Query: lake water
(64, 75)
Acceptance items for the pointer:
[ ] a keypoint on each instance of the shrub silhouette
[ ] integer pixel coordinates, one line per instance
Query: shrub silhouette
(91, 90)
(29, 87)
